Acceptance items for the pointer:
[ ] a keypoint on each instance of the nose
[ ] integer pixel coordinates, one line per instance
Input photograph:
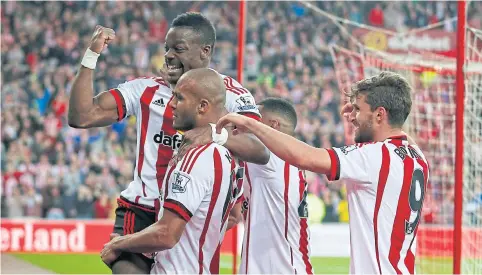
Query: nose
(173, 103)
(352, 116)
(169, 55)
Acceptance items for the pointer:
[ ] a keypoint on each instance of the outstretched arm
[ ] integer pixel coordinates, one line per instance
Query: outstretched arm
(245, 146)
(85, 110)
(286, 147)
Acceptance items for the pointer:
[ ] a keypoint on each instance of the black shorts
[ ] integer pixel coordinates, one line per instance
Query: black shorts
(131, 217)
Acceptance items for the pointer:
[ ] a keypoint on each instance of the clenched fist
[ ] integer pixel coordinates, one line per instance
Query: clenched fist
(101, 38)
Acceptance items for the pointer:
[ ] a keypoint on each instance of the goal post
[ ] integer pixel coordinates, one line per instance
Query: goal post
(459, 134)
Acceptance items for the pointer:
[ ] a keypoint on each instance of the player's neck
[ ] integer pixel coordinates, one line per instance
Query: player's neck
(387, 133)
(211, 117)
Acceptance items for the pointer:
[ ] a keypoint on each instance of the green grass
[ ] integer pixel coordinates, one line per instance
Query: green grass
(91, 264)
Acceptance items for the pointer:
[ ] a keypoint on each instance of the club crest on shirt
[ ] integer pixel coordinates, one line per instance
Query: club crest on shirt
(179, 182)
(348, 148)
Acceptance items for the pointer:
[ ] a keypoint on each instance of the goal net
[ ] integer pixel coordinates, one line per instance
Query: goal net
(432, 124)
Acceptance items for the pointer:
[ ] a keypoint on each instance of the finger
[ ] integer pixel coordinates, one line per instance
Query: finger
(113, 235)
(221, 123)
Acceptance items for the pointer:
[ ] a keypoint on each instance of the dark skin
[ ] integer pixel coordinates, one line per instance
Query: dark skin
(199, 99)
(183, 49)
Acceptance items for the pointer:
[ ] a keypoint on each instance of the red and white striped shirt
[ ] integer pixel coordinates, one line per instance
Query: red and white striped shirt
(148, 100)
(276, 236)
(386, 183)
(200, 189)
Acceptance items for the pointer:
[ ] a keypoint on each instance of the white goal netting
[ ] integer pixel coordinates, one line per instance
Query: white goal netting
(432, 124)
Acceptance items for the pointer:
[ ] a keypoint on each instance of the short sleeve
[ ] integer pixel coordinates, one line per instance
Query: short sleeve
(357, 162)
(190, 182)
(131, 92)
(239, 100)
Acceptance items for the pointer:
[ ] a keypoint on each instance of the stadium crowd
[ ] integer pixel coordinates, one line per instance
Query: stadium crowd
(52, 170)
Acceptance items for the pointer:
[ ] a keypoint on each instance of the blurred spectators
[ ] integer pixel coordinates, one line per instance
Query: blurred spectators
(51, 170)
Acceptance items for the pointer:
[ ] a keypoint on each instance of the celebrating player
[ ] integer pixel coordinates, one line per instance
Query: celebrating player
(276, 231)
(386, 174)
(200, 189)
(189, 45)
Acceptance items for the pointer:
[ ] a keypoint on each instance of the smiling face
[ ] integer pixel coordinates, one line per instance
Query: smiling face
(363, 120)
(184, 52)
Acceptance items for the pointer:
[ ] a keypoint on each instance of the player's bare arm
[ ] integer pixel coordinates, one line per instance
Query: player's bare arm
(162, 235)
(235, 215)
(245, 146)
(85, 110)
(286, 147)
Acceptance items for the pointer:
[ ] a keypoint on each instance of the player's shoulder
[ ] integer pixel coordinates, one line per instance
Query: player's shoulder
(205, 158)
(141, 83)
(233, 87)
(360, 147)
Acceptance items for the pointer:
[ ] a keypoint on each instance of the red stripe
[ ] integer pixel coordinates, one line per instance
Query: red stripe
(164, 153)
(285, 196)
(218, 178)
(251, 115)
(335, 165)
(145, 101)
(248, 228)
(126, 214)
(304, 228)
(187, 158)
(229, 86)
(127, 204)
(129, 223)
(403, 213)
(119, 101)
(178, 210)
(410, 258)
(241, 89)
(214, 267)
(286, 202)
(197, 156)
(133, 222)
(382, 181)
(137, 199)
(127, 217)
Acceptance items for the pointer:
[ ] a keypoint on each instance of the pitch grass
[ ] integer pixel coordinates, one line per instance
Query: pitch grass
(91, 264)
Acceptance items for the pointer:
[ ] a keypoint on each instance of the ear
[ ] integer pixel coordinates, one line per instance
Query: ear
(206, 51)
(203, 106)
(381, 114)
(273, 123)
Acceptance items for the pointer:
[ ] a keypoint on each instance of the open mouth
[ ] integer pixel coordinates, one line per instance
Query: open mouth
(174, 69)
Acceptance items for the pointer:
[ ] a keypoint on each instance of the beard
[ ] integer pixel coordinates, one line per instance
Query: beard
(364, 133)
(185, 123)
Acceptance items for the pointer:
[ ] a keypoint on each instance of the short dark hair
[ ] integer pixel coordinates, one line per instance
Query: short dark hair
(388, 90)
(281, 107)
(199, 23)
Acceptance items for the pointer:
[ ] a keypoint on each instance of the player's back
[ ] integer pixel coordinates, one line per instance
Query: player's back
(276, 238)
(386, 183)
(200, 190)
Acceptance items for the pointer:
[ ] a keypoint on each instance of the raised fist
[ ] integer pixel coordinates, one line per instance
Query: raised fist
(101, 38)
